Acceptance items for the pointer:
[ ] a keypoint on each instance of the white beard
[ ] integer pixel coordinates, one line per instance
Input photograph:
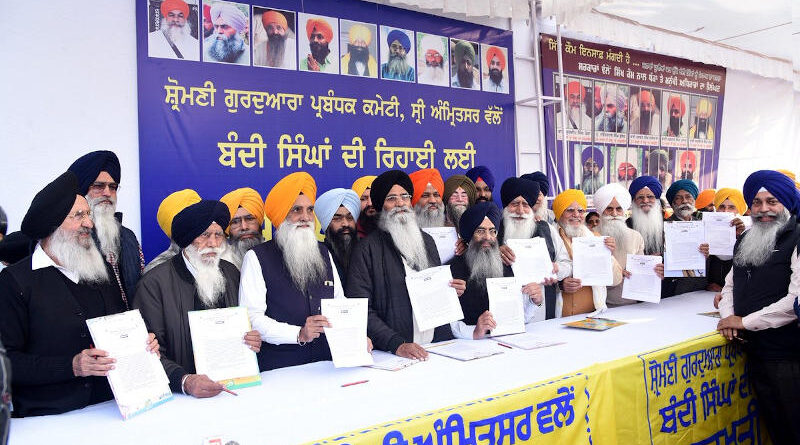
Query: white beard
(614, 226)
(106, 225)
(685, 210)
(575, 116)
(540, 214)
(209, 280)
(401, 224)
(483, 263)
(176, 33)
(518, 227)
(430, 218)
(758, 243)
(80, 257)
(300, 253)
(575, 231)
(651, 226)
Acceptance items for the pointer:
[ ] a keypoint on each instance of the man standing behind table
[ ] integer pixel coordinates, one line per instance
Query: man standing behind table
(427, 199)
(368, 217)
(731, 201)
(681, 196)
(483, 179)
(337, 211)
(247, 217)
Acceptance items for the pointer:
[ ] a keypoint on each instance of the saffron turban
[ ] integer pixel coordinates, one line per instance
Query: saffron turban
(473, 217)
(400, 36)
(464, 49)
(51, 206)
(683, 184)
(688, 157)
(513, 187)
(433, 42)
(359, 32)
(626, 170)
(651, 182)
(195, 219)
(566, 198)
(247, 199)
(207, 12)
(792, 176)
(493, 52)
(384, 182)
(361, 184)
(230, 14)
(481, 172)
(676, 102)
(647, 96)
(705, 198)
(329, 202)
(540, 178)
(322, 26)
(282, 197)
(457, 181)
(594, 153)
(780, 185)
(88, 167)
(172, 205)
(171, 5)
(421, 179)
(574, 89)
(275, 17)
(605, 194)
(734, 195)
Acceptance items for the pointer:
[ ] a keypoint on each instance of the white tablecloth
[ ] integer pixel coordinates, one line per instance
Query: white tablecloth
(305, 403)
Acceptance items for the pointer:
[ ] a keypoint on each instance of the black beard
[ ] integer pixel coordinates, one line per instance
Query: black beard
(496, 75)
(644, 121)
(675, 125)
(465, 78)
(481, 199)
(368, 223)
(319, 51)
(687, 174)
(341, 244)
(357, 54)
(277, 45)
(207, 32)
(702, 127)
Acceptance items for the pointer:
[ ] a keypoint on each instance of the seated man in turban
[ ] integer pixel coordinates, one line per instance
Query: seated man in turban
(540, 210)
(359, 61)
(173, 39)
(593, 178)
(731, 201)
(519, 196)
(466, 72)
(483, 179)
(279, 50)
(98, 176)
(432, 61)
(195, 279)
(337, 211)
(427, 199)
(681, 195)
(227, 43)
(496, 61)
(45, 300)
(244, 231)
(379, 265)
(398, 66)
(459, 193)
(758, 298)
(169, 207)
(368, 216)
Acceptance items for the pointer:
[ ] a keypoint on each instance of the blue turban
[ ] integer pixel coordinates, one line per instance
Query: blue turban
(88, 167)
(682, 184)
(50, 207)
(541, 179)
(192, 221)
(329, 202)
(473, 217)
(780, 185)
(594, 153)
(650, 182)
(513, 187)
(482, 172)
(400, 36)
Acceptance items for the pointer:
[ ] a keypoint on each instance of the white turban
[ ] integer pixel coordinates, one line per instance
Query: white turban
(230, 14)
(605, 194)
(433, 42)
(329, 202)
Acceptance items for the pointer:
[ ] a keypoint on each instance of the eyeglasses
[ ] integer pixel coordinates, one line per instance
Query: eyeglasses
(643, 198)
(101, 186)
(577, 211)
(391, 199)
(80, 214)
(242, 219)
(480, 231)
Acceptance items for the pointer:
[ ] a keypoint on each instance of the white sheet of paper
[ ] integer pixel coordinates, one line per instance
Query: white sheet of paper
(390, 362)
(445, 239)
(347, 338)
(532, 262)
(747, 220)
(218, 343)
(592, 262)
(465, 350)
(720, 234)
(643, 284)
(138, 380)
(506, 305)
(682, 240)
(527, 340)
(433, 301)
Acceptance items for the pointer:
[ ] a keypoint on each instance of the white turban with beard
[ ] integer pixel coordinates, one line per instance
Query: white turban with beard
(78, 255)
(615, 227)
(758, 243)
(301, 254)
(208, 277)
(401, 223)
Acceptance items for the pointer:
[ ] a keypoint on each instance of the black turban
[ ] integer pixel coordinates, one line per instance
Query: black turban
(384, 182)
(88, 167)
(50, 207)
(473, 217)
(15, 246)
(539, 178)
(192, 221)
(513, 187)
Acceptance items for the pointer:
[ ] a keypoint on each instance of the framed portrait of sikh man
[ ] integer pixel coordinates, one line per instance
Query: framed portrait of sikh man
(274, 38)
(494, 73)
(465, 65)
(590, 162)
(433, 60)
(627, 164)
(397, 54)
(229, 42)
(359, 48)
(172, 29)
(318, 45)
(689, 165)
(701, 119)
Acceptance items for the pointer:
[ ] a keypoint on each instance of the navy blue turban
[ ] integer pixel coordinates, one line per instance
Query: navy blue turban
(650, 182)
(88, 167)
(780, 185)
(400, 36)
(192, 221)
(16, 246)
(482, 172)
(513, 187)
(473, 217)
(384, 182)
(540, 178)
(50, 207)
(682, 184)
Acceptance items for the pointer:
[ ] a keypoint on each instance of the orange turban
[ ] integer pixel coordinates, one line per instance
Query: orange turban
(734, 195)
(565, 199)
(646, 96)
(172, 205)
(247, 199)
(171, 5)
(361, 184)
(705, 198)
(676, 102)
(574, 89)
(421, 179)
(321, 26)
(791, 176)
(688, 156)
(493, 52)
(274, 17)
(281, 198)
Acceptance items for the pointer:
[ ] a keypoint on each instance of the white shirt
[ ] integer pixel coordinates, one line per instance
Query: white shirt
(40, 259)
(157, 46)
(253, 296)
(775, 315)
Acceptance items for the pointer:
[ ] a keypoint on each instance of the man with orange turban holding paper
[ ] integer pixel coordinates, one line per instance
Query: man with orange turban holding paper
(427, 197)
(278, 51)
(496, 62)
(173, 39)
(320, 36)
(247, 217)
(169, 207)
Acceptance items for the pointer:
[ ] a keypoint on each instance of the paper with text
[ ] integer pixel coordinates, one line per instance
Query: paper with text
(347, 336)
(433, 300)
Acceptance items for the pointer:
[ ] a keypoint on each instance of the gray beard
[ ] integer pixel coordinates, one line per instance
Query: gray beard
(301, 254)
(239, 247)
(226, 50)
(163, 256)
(614, 226)
(454, 212)
(84, 260)
(685, 210)
(106, 226)
(757, 244)
(429, 218)
(518, 228)
(398, 66)
(275, 49)
(483, 263)
(540, 214)
(208, 280)
(575, 231)
(175, 33)
(435, 73)
(651, 226)
(405, 233)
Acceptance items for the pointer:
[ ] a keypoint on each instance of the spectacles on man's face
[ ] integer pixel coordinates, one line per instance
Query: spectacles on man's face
(403, 197)
(239, 220)
(575, 211)
(99, 187)
(481, 231)
(645, 198)
(81, 214)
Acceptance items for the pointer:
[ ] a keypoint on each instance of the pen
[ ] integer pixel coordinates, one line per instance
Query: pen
(355, 383)
(504, 345)
(228, 391)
